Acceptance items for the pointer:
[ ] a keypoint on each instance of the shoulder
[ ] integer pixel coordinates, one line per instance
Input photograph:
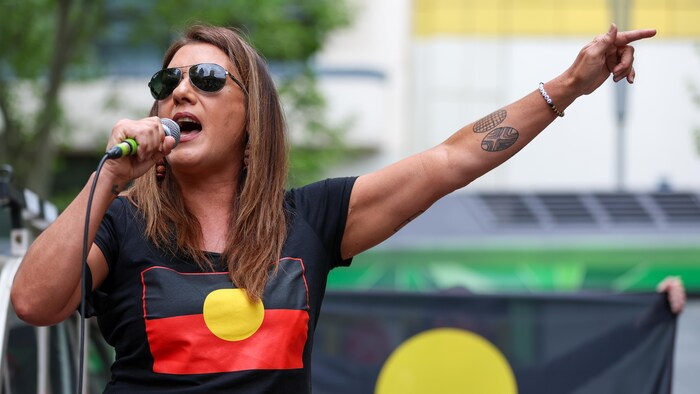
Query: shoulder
(322, 189)
(121, 205)
(123, 211)
(321, 204)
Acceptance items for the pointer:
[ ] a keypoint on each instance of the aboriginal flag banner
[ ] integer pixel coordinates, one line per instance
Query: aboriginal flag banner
(461, 343)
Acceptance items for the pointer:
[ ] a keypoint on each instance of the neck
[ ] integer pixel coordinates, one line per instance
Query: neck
(211, 201)
(217, 188)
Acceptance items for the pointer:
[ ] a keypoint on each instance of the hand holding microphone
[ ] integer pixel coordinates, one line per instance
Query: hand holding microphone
(129, 146)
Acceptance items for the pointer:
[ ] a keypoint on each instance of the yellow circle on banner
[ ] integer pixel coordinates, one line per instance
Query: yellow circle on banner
(229, 314)
(446, 360)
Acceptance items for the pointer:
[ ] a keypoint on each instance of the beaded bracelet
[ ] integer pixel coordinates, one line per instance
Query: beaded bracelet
(549, 101)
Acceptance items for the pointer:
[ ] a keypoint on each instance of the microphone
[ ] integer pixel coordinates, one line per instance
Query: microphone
(128, 146)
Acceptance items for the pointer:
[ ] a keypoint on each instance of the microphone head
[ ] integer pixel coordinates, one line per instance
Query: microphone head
(171, 128)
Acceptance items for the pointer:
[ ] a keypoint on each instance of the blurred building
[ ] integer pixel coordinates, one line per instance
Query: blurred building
(415, 72)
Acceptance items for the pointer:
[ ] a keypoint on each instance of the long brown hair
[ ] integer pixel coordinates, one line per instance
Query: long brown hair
(258, 227)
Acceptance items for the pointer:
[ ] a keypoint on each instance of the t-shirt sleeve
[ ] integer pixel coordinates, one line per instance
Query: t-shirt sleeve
(324, 205)
(107, 237)
(107, 240)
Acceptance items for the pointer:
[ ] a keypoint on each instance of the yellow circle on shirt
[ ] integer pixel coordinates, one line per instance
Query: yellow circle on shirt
(446, 360)
(229, 314)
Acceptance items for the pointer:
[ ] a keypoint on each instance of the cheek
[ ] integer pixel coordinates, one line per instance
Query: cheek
(235, 121)
(163, 109)
(229, 130)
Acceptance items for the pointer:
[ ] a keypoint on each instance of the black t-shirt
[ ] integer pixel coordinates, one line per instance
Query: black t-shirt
(177, 329)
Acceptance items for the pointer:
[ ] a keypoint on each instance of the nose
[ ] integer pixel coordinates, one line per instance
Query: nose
(184, 90)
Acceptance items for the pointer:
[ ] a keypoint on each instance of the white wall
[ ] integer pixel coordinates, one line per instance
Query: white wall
(378, 41)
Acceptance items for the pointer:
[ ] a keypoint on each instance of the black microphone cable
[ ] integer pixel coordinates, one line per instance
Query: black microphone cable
(126, 148)
(83, 282)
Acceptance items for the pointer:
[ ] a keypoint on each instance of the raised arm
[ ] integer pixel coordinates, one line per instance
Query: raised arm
(384, 201)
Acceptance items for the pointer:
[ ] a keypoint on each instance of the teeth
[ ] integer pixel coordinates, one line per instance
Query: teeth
(189, 120)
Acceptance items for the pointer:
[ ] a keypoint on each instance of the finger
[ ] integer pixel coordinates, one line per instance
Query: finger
(677, 299)
(666, 284)
(611, 36)
(602, 44)
(169, 144)
(119, 132)
(631, 75)
(626, 59)
(625, 37)
(606, 48)
(673, 286)
(150, 139)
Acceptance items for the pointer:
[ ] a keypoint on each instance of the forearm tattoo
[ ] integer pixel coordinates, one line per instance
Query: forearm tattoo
(490, 121)
(405, 222)
(116, 189)
(499, 139)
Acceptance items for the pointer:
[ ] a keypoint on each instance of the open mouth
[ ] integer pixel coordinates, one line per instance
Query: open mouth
(189, 125)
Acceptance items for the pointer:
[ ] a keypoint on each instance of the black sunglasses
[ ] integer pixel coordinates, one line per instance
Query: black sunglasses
(207, 77)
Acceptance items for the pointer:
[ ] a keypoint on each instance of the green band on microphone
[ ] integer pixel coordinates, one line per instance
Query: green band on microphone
(129, 148)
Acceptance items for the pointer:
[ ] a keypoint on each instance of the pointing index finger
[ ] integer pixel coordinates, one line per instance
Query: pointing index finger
(625, 37)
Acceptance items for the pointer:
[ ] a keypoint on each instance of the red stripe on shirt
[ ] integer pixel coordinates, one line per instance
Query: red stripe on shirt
(184, 345)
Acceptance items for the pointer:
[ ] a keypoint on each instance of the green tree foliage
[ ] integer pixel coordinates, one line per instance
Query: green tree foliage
(39, 39)
(283, 30)
(42, 42)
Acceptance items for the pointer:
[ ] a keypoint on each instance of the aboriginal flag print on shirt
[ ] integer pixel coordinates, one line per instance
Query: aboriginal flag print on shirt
(200, 323)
